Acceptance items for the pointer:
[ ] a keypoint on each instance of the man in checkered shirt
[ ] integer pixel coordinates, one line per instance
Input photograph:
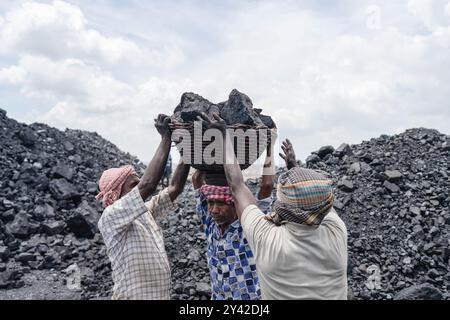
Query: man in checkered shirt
(134, 241)
(230, 260)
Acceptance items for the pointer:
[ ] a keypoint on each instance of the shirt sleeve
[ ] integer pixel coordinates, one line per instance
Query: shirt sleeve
(333, 222)
(262, 235)
(116, 218)
(265, 205)
(160, 204)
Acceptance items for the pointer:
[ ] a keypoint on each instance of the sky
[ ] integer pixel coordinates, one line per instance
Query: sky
(327, 71)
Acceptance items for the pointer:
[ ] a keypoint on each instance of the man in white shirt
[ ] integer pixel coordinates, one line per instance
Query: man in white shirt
(301, 249)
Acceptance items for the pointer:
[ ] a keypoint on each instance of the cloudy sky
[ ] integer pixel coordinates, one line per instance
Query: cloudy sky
(327, 71)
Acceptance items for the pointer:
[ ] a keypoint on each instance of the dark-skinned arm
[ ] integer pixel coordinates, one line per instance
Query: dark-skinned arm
(198, 179)
(178, 180)
(268, 176)
(288, 154)
(155, 170)
(242, 195)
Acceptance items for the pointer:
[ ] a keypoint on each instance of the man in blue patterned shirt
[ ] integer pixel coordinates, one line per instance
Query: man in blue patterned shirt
(230, 259)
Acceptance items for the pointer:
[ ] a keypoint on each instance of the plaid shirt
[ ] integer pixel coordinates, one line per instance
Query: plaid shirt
(231, 262)
(135, 245)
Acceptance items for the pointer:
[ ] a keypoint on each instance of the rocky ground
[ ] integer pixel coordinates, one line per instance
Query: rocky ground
(393, 193)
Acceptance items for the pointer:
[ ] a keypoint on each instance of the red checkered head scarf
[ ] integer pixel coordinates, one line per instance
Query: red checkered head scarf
(217, 193)
(111, 183)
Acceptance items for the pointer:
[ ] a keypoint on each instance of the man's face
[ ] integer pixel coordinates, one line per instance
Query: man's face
(130, 183)
(223, 214)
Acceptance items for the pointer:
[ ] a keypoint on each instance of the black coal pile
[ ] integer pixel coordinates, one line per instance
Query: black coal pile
(393, 192)
(48, 212)
(238, 109)
(48, 217)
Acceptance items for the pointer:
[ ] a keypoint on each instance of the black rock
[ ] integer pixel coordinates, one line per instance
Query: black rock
(203, 288)
(63, 171)
(355, 168)
(27, 137)
(43, 212)
(343, 150)
(314, 158)
(324, 151)
(83, 221)
(9, 277)
(20, 227)
(53, 228)
(392, 175)
(346, 185)
(63, 190)
(414, 210)
(239, 109)
(4, 253)
(192, 105)
(391, 187)
(25, 257)
(419, 292)
(8, 215)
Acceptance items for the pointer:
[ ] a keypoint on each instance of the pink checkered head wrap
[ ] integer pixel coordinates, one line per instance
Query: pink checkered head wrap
(217, 193)
(111, 183)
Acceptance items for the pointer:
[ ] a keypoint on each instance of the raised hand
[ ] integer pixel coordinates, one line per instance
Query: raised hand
(218, 122)
(288, 154)
(162, 125)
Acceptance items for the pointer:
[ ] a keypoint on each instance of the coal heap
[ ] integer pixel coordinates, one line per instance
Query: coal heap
(238, 109)
(393, 192)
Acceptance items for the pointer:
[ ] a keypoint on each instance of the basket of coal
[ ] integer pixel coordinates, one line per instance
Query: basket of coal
(203, 148)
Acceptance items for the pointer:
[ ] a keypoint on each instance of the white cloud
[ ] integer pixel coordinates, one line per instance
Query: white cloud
(59, 30)
(326, 78)
(12, 75)
(447, 9)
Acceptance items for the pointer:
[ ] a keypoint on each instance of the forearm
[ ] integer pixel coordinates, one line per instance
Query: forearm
(241, 194)
(178, 180)
(232, 169)
(155, 169)
(197, 180)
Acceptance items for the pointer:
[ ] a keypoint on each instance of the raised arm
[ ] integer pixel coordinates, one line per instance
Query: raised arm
(198, 179)
(155, 170)
(268, 175)
(242, 195)
(288, 154)
(179, 178)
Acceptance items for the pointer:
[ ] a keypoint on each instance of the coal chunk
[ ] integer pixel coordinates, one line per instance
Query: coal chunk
(20, 227)
(419, 292)
(63, 171)
(391, 187)
(343, 150)
(27, 137)
(191, 106)
(4, 253)
(63, 190)
(346, 185)
(53, 228)
(83, 221)
(239, 109)
(393, 175)
(324, 151)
